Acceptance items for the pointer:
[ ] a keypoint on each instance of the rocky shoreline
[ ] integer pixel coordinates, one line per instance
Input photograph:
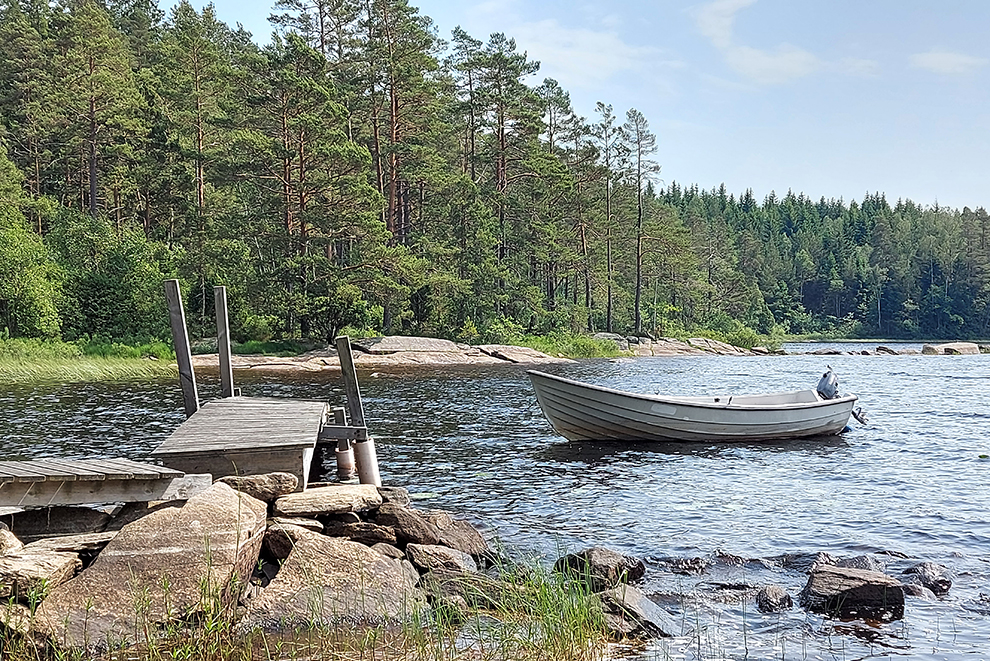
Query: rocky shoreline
(398, 352)
(339, 555)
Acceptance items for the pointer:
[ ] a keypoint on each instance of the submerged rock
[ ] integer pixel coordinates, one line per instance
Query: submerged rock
(932, 576)
(630, 613)
(853, 593)
(773, 599)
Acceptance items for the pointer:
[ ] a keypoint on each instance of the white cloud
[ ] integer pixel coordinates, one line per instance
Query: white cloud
(785, 63)
(580, 57)
(716, 18)
(947, 62)
(859, 67)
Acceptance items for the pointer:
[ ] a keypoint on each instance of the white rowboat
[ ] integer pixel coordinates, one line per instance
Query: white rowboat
(585, 412)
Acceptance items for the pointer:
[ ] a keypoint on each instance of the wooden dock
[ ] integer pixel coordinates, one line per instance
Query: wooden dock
(247, 436)
(238, 435)
(47, 482)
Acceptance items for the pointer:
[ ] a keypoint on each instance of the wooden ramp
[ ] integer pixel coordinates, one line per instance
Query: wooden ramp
(247, 436)
(46, 482)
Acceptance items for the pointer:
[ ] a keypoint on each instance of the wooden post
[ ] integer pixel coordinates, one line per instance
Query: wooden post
(223, 342)
(183, 355)
(354, 407)
(364, 450)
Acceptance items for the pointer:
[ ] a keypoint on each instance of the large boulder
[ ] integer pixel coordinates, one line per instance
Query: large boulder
(329, 581)
(951, 349)
(265, 488)
(630, 613)
(515, 354)
(469, 589)
(853, 593)
(601, 568)
(170, 564)
(399, 343)
(330, 500)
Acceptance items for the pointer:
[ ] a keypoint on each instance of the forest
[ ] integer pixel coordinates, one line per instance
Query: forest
(360, 171)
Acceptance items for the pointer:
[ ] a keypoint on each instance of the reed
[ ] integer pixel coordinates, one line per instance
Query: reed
(81, 369)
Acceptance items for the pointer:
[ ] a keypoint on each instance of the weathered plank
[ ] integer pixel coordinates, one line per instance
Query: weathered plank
(183, 355)
(223, 342)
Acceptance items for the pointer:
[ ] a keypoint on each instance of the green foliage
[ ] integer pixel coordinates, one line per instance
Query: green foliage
(353, 174)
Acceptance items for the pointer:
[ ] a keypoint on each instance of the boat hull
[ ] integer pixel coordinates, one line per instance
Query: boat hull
(584, 412)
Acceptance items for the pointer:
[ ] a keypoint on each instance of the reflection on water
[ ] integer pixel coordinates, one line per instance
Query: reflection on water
(911, 483)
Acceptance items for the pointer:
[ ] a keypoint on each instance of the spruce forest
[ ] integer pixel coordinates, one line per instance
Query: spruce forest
(362, 171)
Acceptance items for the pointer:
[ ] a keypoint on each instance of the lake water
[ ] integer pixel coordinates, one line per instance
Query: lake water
(909, 486)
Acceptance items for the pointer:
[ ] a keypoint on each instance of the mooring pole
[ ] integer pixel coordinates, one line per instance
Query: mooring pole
(183, 355)
(223, 342)
(364, 449)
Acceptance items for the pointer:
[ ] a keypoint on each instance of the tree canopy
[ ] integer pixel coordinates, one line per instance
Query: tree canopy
(359, 171)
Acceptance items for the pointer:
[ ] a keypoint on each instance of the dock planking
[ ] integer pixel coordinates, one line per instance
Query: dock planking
(247, 435)
(47, 482)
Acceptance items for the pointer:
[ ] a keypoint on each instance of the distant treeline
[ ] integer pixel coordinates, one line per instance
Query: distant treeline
(360, 171)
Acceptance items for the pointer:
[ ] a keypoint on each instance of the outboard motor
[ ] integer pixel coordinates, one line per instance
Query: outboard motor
(828, 385)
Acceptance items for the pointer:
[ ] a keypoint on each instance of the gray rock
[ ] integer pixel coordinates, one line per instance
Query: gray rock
(853, 593)
(620, 342)
(265, 488)
(280, 538)
(15, 619)
(91, 543)
(601, 568)
(389, 551)
(213, 540)
(630, 613)
(410, 526)
(27, 575)
(458, 534)
(918, 590)
(368, 534)
(512, 354)
(773, 599)
(326, 501)
(395, 495)
(329, 581)
(930, 575)
(867, 562)
(951, 349)
(427, 557)
(308, 524)
(31, 525)
(886, 351)
(400, 343)
(131, 512)
(9, 542)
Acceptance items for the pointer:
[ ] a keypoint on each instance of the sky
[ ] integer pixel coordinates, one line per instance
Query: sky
(835, 98)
